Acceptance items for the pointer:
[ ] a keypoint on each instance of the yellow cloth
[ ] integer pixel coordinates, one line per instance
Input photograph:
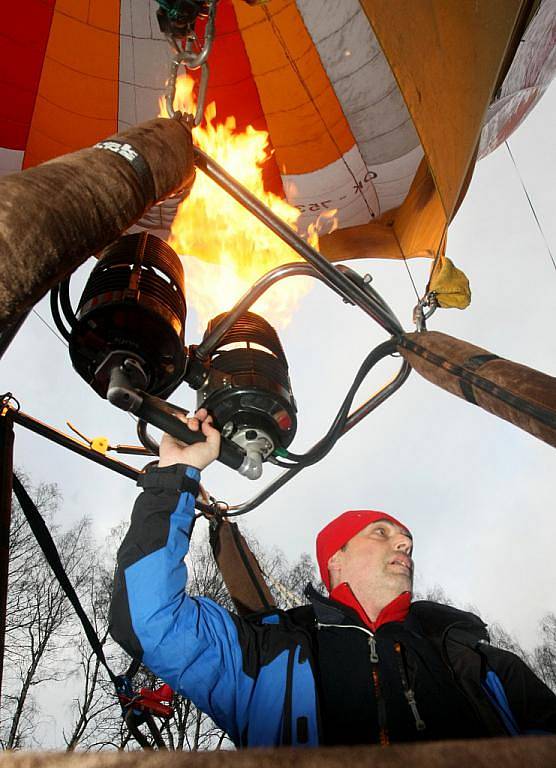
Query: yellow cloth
(450, 284)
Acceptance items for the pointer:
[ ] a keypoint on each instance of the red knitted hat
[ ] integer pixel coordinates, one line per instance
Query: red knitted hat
(341, 530)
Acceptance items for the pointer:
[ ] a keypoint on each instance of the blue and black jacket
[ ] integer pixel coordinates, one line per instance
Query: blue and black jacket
(315, 674)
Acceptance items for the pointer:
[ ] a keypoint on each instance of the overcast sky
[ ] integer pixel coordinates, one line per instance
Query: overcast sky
(477, 493)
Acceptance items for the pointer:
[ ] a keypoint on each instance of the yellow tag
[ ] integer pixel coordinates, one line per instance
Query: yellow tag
(99, 444)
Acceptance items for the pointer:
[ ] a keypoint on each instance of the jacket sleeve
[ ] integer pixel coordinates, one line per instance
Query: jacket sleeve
(532, 703)
(193, 644)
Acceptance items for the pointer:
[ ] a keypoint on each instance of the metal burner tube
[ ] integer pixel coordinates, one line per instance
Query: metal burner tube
(377, 399)
(343, 284)
(208, 345)
(374, 296)
(264, 283)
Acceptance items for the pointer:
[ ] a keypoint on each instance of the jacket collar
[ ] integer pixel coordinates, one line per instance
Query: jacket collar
(396, 610)
(329, 611)
(342, 607)
(423, 617)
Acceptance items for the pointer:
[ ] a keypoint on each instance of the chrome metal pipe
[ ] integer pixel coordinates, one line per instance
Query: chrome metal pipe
(345, 287)
(395, 327)
(208, 345)
(354, 418)
(378, 398)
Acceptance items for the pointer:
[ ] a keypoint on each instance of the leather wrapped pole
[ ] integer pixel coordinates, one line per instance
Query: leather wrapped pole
(54, 216)
(520, 395)
(239, 568)
(531, 751)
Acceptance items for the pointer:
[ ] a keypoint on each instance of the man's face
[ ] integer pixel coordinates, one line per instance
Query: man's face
(378, 557)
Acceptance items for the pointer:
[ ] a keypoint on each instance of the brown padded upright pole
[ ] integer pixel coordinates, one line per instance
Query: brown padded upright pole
(56, 215)
(6, 469)
(521, 395)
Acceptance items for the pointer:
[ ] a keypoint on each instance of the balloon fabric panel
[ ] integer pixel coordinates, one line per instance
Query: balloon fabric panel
(233, 88)
(303, 115)
(77, 100)
(344, 92)
(447, 69)
(23, 39)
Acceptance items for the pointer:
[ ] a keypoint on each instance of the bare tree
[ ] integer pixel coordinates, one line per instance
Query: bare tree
(501, 638)
(96, 713)
(544, 656)
(40, 626)
(435, 594)
(92, 702)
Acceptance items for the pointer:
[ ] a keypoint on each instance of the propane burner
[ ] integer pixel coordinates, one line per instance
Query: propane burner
(248, 388)
(132, 311)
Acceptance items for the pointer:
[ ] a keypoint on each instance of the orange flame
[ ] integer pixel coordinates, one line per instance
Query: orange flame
(223, 247)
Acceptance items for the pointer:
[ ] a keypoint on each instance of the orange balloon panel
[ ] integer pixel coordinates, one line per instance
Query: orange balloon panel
(77, 99)
(374, 110)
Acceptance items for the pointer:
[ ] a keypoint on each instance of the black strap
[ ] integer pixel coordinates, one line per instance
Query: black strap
(132, 155)
(46, 543)
(473, 364)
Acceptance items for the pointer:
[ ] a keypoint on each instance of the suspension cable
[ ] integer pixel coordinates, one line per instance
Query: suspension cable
(527, 195)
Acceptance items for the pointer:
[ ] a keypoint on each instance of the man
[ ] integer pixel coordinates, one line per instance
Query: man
(362, 666)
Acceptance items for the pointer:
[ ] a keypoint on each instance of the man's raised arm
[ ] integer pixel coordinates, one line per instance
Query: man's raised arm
(190, 643)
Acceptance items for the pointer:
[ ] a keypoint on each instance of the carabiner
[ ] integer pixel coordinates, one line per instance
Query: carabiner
(419, 315)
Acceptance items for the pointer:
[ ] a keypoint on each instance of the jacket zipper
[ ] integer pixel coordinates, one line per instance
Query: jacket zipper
(409, 693)
(373, 655)
(288, 725)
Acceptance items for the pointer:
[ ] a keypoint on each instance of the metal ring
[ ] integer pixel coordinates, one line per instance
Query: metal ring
(7, 399)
